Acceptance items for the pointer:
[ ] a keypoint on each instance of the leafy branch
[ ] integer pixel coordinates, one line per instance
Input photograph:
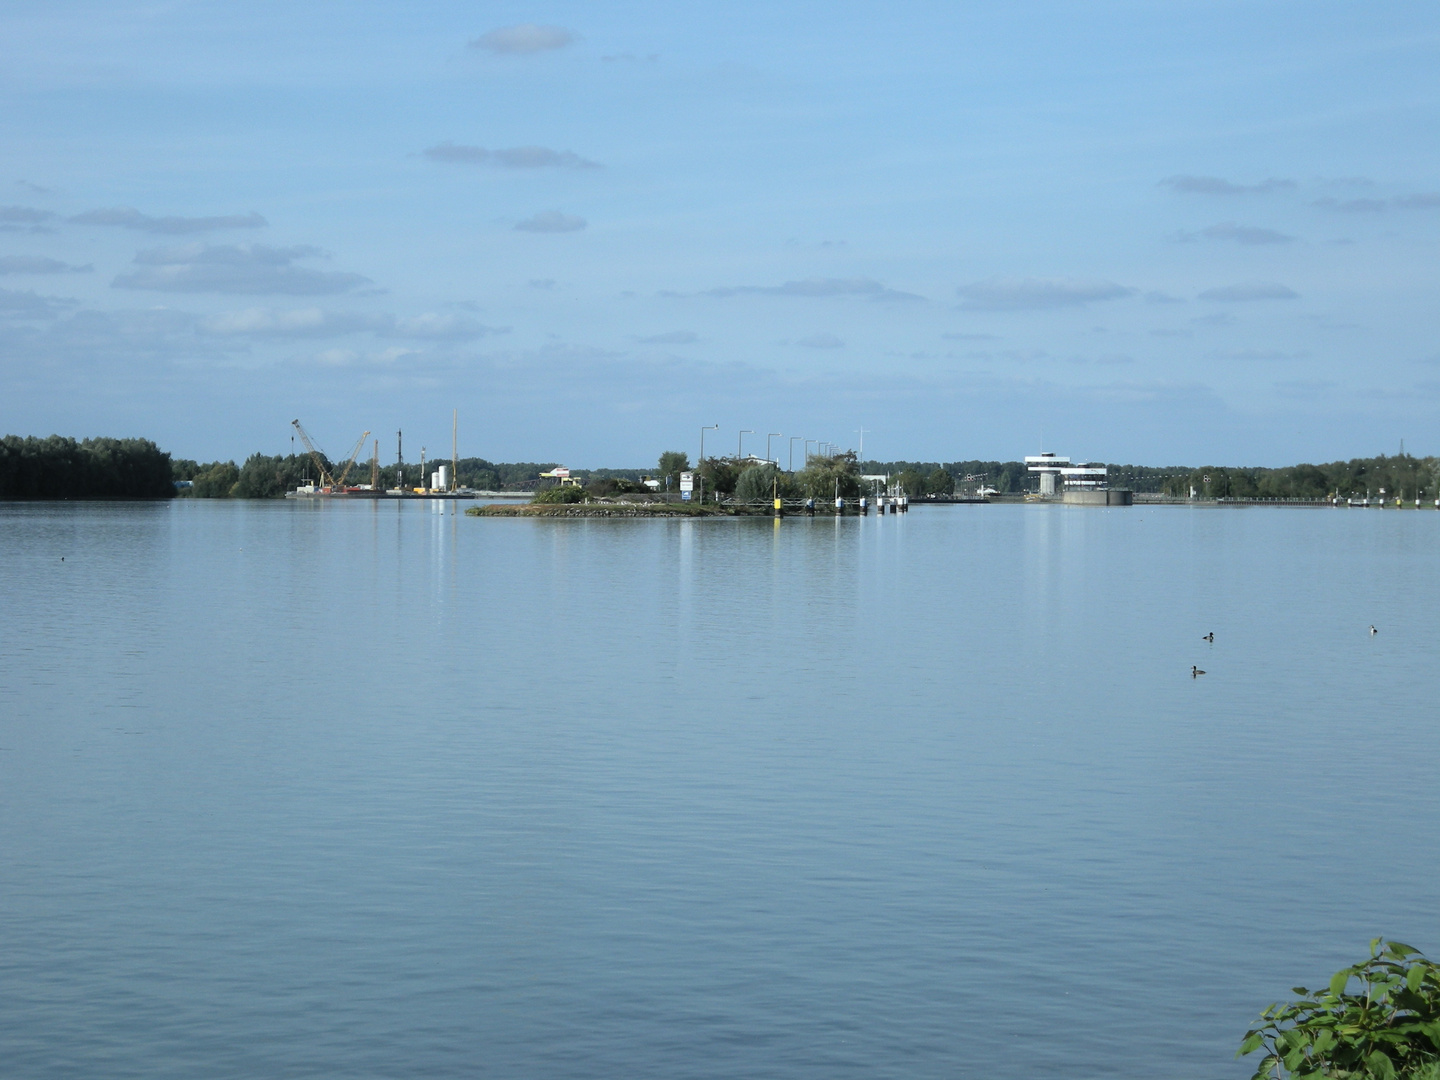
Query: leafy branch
(1388, 1028)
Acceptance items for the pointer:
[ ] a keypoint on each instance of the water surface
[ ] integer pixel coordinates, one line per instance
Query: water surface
(349, 790)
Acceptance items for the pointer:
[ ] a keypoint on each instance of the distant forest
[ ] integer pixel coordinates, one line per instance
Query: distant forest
(63, 468)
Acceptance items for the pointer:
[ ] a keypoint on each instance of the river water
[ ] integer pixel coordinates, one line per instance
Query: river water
(379, 790)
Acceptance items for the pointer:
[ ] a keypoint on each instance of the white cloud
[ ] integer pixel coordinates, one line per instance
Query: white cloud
(1214, 185)
(432, 326)
(300, 322)
(1352, 206)
(29, 305)
(128, 217)
(516, 157)
(1248, 291)
(552, 221)
(821, 341)
(1245, 234)
(38, 264)
(1036, 294)
(253, 269)
(524, 39)
(818, 287)
(23, 215)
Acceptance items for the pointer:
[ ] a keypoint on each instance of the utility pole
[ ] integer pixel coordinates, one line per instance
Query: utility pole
(861, 433)
(399, 461)
(455, 450)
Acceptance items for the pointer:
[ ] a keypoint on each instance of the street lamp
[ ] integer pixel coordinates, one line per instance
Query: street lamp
(740, 443)
(768, 436)
(701, 463)
(792, 450)
(807, 450)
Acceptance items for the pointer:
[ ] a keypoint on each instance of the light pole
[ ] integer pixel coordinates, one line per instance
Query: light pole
(701, 463)
(740, 443)
(768, 436)
(807, 450)
(792, 450)
(861, 433)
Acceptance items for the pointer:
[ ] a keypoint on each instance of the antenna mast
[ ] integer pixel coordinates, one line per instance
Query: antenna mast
(454, 449)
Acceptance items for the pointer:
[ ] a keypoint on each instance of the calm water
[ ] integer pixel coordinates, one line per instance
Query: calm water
(382, 791)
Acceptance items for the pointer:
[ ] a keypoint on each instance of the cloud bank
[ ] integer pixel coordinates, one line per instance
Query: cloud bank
(517, 157)
(235, 268)
(1037, 294)
(818, 287)
(1214, 185)
(127, 217)
(38, 264)
(1248, 291)
(523, 39)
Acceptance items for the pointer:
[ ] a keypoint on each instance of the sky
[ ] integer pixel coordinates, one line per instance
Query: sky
(1147, 232)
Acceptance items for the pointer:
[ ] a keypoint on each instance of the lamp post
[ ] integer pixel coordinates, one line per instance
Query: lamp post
(768, 436)
(792, 450)
(861, 433)
(807, 450)
(701, 463)
(740, 443)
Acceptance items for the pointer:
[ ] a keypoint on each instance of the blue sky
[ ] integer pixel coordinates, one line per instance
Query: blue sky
(1147, 232)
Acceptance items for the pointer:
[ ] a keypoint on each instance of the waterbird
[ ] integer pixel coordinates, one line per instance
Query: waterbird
(1209, 637)
(1194, 671)
(1373, 630)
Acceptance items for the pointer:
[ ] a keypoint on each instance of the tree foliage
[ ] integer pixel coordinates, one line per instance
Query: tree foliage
(1377, 1020)
(62, 468)
(825, 477)
(561, 493)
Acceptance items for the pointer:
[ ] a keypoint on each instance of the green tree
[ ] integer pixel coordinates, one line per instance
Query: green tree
(217, 482)
(758, 483)
(940, 482)
(823, 477)
(721, 475)
(1388, 1028)
(913, 482)
(672, 464)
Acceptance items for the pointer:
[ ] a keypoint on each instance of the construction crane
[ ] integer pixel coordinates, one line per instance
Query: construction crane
(350, 463)
(327, 479)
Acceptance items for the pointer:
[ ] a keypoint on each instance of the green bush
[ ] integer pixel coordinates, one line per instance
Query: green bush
(1389, 1028)
(563, 493)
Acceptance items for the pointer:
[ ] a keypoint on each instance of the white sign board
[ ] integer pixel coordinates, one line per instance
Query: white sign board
(687, 486)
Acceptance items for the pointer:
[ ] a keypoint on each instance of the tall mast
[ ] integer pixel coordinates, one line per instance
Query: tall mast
(454, 448)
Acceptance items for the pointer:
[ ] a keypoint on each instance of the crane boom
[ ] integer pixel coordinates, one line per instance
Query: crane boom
(315, 455)
(355, 453)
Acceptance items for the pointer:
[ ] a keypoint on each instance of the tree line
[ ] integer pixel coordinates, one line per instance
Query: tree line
(64, 468)
(61, 468)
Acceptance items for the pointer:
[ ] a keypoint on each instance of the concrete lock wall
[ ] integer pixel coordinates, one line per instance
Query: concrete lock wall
(1115, 497)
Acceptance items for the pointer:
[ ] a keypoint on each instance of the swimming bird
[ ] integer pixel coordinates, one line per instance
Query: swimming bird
(1194, 671)
(1373, 630)
(1209, 637)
